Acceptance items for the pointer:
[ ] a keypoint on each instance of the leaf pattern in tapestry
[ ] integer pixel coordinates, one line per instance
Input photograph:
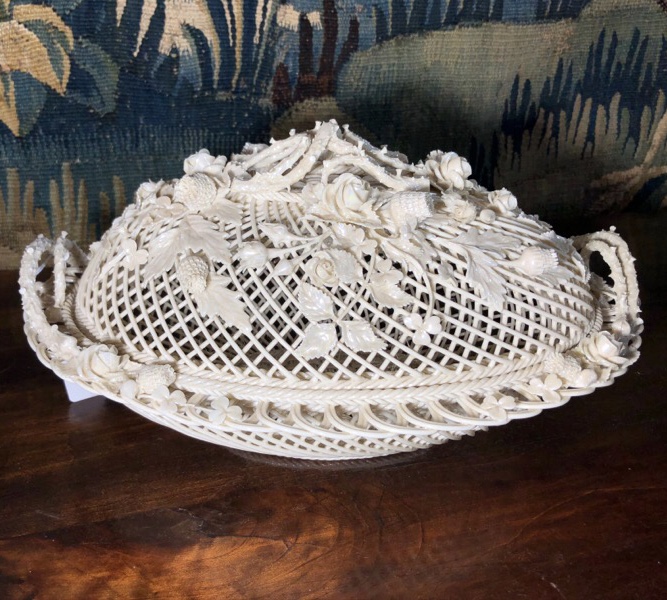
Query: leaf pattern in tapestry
(94, 79)
(34, 42)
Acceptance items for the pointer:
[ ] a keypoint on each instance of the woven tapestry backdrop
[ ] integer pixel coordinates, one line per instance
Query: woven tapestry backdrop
(562, 101)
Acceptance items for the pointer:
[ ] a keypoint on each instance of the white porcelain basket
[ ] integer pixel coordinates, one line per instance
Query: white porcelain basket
(322, 298)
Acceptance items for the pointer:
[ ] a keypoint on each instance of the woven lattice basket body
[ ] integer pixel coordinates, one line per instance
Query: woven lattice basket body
(322, 298)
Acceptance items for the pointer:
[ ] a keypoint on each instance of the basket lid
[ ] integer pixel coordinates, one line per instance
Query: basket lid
(324, 261)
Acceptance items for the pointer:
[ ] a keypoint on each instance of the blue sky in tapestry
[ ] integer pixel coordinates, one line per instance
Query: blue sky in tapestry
(127, 88)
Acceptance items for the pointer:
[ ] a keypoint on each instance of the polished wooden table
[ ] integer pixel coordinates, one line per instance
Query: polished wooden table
(96, 502)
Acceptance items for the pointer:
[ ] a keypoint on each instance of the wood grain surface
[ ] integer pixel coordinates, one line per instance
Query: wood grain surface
(97, 503)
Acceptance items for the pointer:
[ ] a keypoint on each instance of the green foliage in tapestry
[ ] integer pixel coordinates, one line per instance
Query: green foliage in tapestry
(551, 120)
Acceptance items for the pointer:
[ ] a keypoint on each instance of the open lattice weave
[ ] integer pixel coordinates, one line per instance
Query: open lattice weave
(322, 298)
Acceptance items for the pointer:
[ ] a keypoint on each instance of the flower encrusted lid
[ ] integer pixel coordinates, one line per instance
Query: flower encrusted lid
(322, 257)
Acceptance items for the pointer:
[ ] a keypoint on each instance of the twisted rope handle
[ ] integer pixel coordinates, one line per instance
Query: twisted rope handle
(68, 260)
(624, 291)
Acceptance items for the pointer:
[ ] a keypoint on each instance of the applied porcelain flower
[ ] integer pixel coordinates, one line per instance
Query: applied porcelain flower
(149, 191)
(503, 201)
(166, 208)
(347, 199)
(603, 348)
(252, 255)
(101, 363)
(461, 210)
(204, 162)
(448, 169)
(328, 268)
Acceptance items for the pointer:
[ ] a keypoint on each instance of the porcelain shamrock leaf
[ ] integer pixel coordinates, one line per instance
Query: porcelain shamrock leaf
(134, 258)
(222, 411)
(547, 387)
(168, 401)
(423, 328)
(497, 408)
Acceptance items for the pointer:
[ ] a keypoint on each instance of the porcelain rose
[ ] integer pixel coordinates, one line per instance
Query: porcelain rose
(503, 201)
(347, 199)
(150, 191)
(330, 267)
(252, 255)
(448, 168)
(203, 162)
(603, 349)
(461, 210)
(102, 363)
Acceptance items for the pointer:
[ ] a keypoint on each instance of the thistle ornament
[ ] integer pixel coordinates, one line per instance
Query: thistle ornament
(151, 377)
(192, 274)
(318, 297)
(409, 209)
(196, 191)
(536, 261)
